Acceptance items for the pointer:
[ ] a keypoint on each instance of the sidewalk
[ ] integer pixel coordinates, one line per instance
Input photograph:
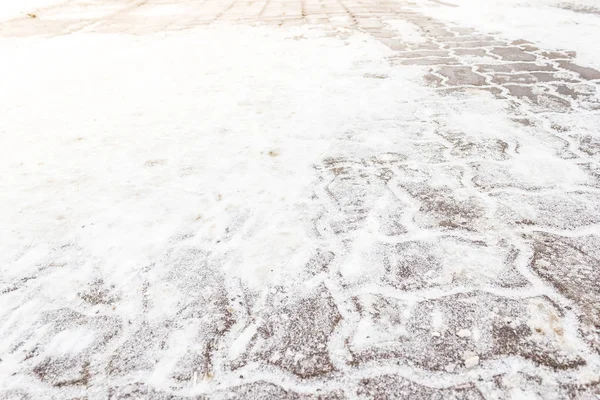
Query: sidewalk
(317, 199)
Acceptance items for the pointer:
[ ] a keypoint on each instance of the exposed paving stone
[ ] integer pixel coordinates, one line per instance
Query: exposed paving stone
(585, 72)
(467, 91)
(593, 171)
(444, 262)
(584, 9)
(459, 332)
(513, 54)
(471, 52)
(440, 208)
(472, 45)
(536, 97)
(438, 31)
(469, 38)
(488, 176)
(589, 144)
(520, 42)
(589, 390)
(425, 61)
(396, 387)
(516, 67)
(570, 265)
(355, 194)
(568, 91)
(67, 370)
(295, 333)
(461, 76)
(267, 390)
(522, 92)
(422, 53)
(432, 80)
(469, 147)
(529, 47)
(585, 95)
(139, 390)
(528, 78)
(429, 254)
(568, 211)
(558, 55)
(524, 121)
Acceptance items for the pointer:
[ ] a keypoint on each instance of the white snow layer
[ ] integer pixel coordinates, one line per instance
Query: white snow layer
(545, 22)
(20, 8)
(117, 150)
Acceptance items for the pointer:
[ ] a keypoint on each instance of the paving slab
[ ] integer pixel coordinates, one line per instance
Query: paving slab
(301, 199)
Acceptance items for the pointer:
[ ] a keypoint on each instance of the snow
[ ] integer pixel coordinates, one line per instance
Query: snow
(71, 341)
(251, 209)
(463, 333)
(20, 8)
(518, 19)
(241, 343)
(470, 358)
(409, 32)
(213, 137)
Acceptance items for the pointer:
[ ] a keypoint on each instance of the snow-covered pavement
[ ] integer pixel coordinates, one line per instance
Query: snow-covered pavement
(299, 199)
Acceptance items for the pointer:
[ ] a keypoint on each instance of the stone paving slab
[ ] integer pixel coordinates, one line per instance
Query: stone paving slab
(445, 264)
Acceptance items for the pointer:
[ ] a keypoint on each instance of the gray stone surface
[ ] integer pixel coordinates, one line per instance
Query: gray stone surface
(436, 269)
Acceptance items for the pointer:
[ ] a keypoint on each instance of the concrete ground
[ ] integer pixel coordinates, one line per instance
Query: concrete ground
(300, 199)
